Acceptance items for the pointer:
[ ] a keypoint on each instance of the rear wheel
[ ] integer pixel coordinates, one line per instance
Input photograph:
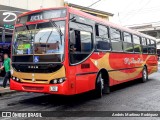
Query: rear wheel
(144, 75)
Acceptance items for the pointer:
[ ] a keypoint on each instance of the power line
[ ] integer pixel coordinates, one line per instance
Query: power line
(128, 5)
(140, 9)
(94, 3)
(128, 14)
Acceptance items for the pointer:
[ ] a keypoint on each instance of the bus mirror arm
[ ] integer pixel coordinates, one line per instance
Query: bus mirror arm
(73, 19)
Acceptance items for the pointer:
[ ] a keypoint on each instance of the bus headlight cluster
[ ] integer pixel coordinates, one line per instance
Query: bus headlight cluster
(57, 81)
(15, 79)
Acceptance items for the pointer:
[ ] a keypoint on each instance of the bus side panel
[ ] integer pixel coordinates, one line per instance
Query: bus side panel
(85, 83)
(86, 73)
(152, 64)
(124, 67)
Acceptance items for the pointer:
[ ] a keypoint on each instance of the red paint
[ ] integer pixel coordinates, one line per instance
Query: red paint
(76, 83)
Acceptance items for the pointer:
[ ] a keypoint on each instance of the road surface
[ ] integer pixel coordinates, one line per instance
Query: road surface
(133, 96)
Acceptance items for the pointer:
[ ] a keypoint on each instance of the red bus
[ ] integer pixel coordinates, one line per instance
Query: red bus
(66, 51)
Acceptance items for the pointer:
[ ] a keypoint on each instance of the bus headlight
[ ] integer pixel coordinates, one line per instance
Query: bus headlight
(15, 79)
(57, 81)
(60, 80)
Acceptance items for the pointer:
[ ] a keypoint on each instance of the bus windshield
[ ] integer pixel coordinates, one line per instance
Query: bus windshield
(41, 40)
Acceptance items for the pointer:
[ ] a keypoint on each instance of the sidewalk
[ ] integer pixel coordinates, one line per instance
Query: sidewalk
(6, 90)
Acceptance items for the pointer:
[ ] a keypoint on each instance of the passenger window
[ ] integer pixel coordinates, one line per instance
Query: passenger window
(127, 42)
(152, 47)
(81, 43)
(144, 45)
(137, 44)
(102, 38)
(116, 39)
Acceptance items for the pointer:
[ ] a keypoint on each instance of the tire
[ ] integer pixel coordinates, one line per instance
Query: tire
(99, 86)
(144, 75)
(106, 89)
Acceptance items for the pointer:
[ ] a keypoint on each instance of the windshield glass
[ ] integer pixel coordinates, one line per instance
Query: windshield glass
(44, 42)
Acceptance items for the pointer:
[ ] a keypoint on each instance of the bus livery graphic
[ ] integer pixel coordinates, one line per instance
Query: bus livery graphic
(66, 51)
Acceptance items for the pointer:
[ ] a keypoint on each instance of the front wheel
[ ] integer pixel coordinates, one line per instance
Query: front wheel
(144, 75)
(99, 86)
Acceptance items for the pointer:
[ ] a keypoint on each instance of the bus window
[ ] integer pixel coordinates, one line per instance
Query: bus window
(102, 38)
(82, 45)
(144, 45)
(116, 39)
(152, 47)
(127, 42)
(137, 44)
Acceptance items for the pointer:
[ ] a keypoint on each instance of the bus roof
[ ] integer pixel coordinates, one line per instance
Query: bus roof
(96, 19)
(105, 22)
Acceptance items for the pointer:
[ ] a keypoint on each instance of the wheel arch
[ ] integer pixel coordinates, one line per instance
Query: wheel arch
(105, 75)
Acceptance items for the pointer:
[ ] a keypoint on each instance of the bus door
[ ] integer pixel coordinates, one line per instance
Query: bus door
(81, 46)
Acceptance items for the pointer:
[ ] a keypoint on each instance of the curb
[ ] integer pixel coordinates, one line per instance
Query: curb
(6, 91)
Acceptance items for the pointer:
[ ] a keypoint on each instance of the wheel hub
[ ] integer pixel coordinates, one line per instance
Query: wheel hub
(145, 74)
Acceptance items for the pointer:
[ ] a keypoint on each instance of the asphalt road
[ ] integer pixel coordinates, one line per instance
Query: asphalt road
(132, 96)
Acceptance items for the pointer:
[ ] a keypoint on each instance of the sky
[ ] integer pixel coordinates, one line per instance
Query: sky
(127, 12)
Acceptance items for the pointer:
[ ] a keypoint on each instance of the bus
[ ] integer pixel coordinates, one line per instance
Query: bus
(66, 51)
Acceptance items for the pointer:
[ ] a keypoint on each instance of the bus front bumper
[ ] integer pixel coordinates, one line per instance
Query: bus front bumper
(39, 88)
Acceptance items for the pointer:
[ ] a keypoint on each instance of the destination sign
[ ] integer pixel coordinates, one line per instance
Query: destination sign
(42, 15)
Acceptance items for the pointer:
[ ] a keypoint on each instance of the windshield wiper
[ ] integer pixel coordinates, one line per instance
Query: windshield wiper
(25, 26)
(58, 29)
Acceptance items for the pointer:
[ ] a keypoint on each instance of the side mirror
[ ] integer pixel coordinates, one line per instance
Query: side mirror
(72, 37)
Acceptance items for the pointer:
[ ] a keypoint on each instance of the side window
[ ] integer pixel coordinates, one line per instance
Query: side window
(81, 43)
(116, 39)
(144, 45)
(102, 38)
(86, 41)
(152, 47)
(127, 42)
(137, 44)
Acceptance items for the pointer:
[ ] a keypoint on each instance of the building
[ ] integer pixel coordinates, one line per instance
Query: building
(37, 4)
(98, 13)
(152, 29)
(32, 4)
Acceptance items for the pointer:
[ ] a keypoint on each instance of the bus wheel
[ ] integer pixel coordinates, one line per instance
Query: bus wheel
(106, 89)
(144, 75)
(99, 86)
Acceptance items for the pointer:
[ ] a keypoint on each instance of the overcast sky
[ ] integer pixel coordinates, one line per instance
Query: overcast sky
(127, 12)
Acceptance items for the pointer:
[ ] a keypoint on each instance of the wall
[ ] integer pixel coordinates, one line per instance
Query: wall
(32, 4)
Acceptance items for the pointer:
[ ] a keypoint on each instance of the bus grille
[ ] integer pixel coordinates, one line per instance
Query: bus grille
(36, 80)
(32, 88)
(36, 68)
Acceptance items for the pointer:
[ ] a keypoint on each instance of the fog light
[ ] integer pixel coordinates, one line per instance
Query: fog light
(54, 88)
(13, 78)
